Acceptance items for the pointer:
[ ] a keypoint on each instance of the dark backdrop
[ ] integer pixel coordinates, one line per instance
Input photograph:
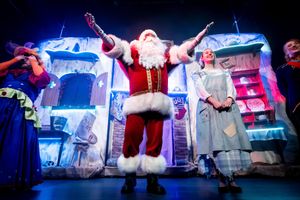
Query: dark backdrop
(38, 20)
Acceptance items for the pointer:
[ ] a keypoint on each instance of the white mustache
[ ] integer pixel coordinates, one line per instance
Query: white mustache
(151, 39)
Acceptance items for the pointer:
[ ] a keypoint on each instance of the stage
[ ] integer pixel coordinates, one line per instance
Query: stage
(254, 187)
(81, 110)
(256, 169)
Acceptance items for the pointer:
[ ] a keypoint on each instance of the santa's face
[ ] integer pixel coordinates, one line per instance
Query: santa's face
(292, 49)
(150, 37)
(152, 52)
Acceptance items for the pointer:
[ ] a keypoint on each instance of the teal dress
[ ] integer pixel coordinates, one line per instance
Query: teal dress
(220, 134)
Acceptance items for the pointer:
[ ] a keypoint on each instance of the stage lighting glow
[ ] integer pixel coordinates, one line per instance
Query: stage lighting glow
(265, 129)
(100, 84)
(50, 138)
(52, 84)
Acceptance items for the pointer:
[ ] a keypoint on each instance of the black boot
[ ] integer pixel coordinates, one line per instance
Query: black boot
(233, 187)
(130, 183)
(153, 186)
(223, 188)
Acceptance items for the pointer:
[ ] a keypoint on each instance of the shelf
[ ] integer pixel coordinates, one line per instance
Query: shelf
(251, 118)
(249, 96)
(257, 112)
(260, 122)
(242, 73)
(246, 84)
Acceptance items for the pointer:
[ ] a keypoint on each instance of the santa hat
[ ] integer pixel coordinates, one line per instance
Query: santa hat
(16, 50)
(145, 33)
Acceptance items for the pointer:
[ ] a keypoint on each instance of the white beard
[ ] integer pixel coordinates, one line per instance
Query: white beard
(152, 53)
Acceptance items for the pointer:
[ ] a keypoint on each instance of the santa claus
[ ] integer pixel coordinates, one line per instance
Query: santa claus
(146, 62)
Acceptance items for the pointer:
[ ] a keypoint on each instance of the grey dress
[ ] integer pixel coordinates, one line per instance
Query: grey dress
(220, 134)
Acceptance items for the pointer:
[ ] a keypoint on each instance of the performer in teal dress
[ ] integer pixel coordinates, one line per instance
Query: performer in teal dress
(221, 134)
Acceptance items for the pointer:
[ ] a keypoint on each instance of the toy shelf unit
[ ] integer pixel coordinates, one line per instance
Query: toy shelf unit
(243, 61)
(252, 99)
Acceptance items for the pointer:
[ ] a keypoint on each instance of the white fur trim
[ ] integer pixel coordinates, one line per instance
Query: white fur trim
(149, 102)
(153, 165)
(121, 48)
(135, 44)
(117, 50)
(174, 55)
(182, 53)
(127, 53)
(128, 165)
(145, 32)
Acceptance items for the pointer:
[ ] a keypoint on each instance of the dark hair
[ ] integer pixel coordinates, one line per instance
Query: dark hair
(200, 60)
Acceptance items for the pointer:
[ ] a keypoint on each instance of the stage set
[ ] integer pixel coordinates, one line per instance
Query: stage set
(83, 124)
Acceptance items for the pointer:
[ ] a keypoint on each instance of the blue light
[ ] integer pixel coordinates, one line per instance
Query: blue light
(100, 84)
(266, 129)
(52, 84)
(47, 139)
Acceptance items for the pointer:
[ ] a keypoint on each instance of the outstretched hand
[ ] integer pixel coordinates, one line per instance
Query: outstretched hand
(208, 26)
(199, 37)
(90, 19)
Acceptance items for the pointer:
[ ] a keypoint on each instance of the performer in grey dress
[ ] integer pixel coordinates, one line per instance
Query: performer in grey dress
(221, 134)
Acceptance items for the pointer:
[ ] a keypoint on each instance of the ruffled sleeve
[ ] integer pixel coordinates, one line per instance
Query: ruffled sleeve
(40, 81)
(199, 86)
(231, 91)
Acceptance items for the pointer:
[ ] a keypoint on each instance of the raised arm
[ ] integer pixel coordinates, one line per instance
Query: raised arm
(37, 65)
(90, 19)
(199, 37)
(5, 65)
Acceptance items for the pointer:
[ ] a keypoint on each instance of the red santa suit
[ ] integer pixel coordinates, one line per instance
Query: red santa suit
(148, 104)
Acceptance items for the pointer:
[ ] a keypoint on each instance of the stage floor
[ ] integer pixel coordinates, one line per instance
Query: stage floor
(177, 188)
